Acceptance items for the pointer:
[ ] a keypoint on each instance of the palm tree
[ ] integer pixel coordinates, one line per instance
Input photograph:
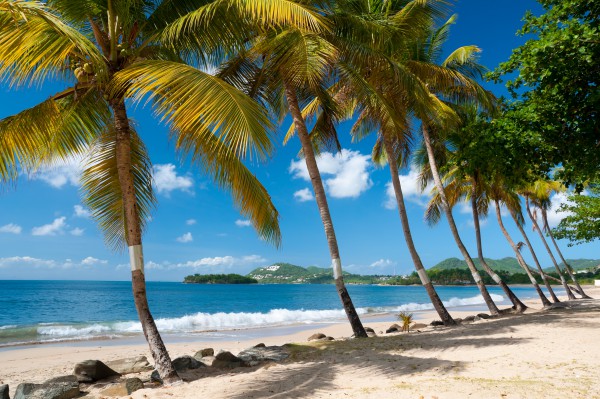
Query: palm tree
(462, 69)
(120, 50)
(536, 193)
(510, 200)
(541, 200)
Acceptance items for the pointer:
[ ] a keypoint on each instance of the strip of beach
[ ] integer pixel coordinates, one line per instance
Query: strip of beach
(550, 353)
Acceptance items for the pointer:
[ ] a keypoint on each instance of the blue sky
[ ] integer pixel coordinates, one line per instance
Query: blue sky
(45, 233)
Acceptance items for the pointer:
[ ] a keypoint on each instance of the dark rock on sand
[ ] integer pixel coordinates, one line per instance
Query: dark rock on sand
(4, 392)
(184, 363)
(393, 328)
(256, 355)
(261, 345)
(204, 352)
(52, 390)
(317, 336)
(437, 323)
(93, 370)
(124, 388)
(225, 359)
(484, 316)
(130, 365)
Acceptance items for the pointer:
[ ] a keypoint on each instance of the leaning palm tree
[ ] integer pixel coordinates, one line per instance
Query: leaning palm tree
(115, 51)
(540, 199)
(500, 196)
(535, 193)
(460, 70)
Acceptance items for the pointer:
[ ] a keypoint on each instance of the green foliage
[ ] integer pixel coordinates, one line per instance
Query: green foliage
(508, 264)
(219, 279)
(560, 72)
(582, 224)
(286, 273)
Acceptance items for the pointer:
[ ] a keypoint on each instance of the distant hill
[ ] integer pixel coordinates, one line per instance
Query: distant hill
(510, 265)
(218, 279)
(286, 273)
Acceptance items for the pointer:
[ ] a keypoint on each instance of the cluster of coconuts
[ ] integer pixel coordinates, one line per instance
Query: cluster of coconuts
(83, 72)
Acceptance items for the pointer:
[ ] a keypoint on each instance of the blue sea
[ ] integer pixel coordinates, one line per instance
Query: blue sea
(34, 312)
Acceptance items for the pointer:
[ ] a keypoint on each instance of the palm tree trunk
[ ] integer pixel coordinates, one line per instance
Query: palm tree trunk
(446, 207)
(545, 301)
(567, 266)
(537, 227)
(518, 305)
(317, 184)
(134, 242)
(433, 296)
(535, 259)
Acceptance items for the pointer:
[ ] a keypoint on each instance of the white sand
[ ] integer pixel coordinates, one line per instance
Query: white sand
(542, 354)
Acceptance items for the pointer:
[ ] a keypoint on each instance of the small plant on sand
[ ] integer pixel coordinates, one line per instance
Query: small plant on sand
(406, 318)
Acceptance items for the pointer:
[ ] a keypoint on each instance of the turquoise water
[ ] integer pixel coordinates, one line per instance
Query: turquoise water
(54, 311)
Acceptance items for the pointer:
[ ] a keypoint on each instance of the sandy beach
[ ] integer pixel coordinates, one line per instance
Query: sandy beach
(541, 354)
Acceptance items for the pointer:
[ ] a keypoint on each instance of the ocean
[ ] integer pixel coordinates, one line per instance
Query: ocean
(34, 312)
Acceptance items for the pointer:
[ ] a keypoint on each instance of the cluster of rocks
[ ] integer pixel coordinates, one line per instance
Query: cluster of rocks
(468, 319)
(109, 375)
(320, 337)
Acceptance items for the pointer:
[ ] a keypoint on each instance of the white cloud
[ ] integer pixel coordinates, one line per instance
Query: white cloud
(226, 261)
(554, 215)
(81, 212)
(11, 228)
(411, 190)
(187, 237)
(304, 195)
(191, 222)
(349, 171)
(166, 180)
(52, 229)
(28, 261)
(382, 263)
(243, 223)
(77, 232)
(60, 174)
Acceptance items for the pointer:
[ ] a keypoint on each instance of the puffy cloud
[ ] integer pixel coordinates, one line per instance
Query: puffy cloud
(411, 190)
(554, 215)
(187, 237)
(191, 222)
(345, 175)
(81, 212)
(60, 174)
(37, 263)
(223, 261)
(11, 228)
(77, 232)
(243, 223)
(382, 263)
(304, 195)
(52, 229)
(166, 180)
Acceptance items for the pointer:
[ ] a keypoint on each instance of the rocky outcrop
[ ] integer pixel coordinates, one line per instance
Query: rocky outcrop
(50, 390)
(317, 336)
(484, 316)
(437, 323)
(92, 371)
(257, 355)
(225, 360)
(124, 388)
(63, 378)
(184, 363)
(393, 328)
(4, 392)
(130, 365)
(204, 353)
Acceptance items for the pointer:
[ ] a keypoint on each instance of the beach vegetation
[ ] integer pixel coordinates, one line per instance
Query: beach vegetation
(231, 278)
(406, 319)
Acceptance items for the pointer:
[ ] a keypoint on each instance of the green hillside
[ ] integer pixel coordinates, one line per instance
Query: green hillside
(286, 273)
(509, 265)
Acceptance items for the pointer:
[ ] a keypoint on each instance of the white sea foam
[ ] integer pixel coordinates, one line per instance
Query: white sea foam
(7, 327)
(222, 321)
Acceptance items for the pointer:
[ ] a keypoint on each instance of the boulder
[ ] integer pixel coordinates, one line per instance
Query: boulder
(63, 378)
(4, 392)
(329, 338)
(207, 360)
(261, 345)
(471, 318)
(371, 334)
(369, 329)
(257, 355)
(124, 388)
(393, 328)
(458, 320)
(317, 336)
(416, 326)
(51, 390)
(227, 360)
(483, 316)
(155, 377)
(93, 370)
(203, 353)
(437, 323)
(184, 363)
(130, 365)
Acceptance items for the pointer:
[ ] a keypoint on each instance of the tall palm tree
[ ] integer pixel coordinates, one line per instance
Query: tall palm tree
(501, 196)
(533, 193)
(118, 50)
(541, 200)
(461, 65)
